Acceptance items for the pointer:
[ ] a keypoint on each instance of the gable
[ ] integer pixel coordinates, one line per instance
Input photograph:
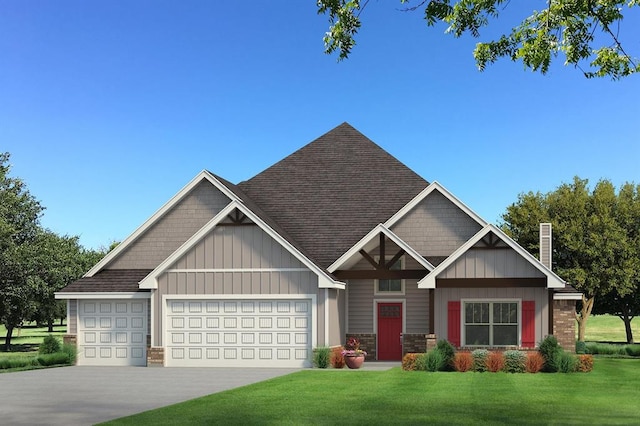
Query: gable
(172, 229)
(436, 226)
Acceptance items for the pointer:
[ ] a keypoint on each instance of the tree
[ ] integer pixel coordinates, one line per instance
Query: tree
(19, 223)
(585, 32)
(593, 245)
(624, 307)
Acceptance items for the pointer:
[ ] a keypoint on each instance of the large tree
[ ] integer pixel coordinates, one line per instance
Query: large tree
(585, 32)
(593, 244)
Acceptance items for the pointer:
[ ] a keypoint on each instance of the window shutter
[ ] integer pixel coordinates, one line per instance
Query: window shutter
(528, 323)
(453, 320)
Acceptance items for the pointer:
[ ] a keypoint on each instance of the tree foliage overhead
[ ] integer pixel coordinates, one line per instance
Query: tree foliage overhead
(585, 32)
(596, 247)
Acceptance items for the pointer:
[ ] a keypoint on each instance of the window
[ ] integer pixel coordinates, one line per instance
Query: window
(394, 286)
(491, 323)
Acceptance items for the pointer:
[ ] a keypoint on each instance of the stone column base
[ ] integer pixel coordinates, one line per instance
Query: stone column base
(155, 357)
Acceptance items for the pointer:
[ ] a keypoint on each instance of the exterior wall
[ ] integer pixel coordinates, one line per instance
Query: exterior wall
(436, 226)
(491, 263)
(414, 343)
(367, 343)
(72, 316)
(537, 294)
(564, 323)
(336, 317)
(173, 229)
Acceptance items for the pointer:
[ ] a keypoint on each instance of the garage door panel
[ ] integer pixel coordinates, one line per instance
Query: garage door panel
(266, 333)
(112, 332)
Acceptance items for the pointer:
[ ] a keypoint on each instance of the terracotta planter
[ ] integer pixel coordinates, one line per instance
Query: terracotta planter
(354, 361)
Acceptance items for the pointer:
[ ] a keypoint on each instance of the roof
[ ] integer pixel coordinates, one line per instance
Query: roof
(330, 193)
(109, 280)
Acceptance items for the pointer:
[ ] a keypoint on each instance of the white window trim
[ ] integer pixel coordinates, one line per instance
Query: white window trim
(463, 336)
(376, 292)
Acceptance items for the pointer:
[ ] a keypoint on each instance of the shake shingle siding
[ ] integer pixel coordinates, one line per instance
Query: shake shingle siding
(330, 193)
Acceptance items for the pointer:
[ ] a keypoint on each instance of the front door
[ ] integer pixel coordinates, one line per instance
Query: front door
(389, 331)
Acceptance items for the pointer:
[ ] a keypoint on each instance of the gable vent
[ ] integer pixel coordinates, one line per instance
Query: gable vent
(545, 244)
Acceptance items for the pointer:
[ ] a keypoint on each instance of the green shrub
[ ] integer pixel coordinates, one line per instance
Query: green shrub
(71, 351)
(515, 362)
(21, 362)
(581, 347)
(421, 362)
(322, 357)
(633, 350)
(448, 352)
(58, 358)
(595, 348)
(565, 362)
(435, 360)
(49, 345)
(480, 359)
(550, 350)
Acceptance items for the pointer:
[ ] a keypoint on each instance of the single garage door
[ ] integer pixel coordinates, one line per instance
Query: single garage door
(112, 332)
(238, 333)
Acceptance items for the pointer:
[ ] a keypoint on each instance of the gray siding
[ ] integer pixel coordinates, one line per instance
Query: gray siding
(336, 317)
(173, 229)
(436, 226)
(72, 316)
(491, 263)
(539, 295)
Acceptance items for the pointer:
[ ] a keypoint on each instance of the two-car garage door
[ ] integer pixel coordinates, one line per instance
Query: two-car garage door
(238, 332)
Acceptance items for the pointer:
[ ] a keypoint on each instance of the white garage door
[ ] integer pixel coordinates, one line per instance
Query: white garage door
(238, 333)
(112, 332)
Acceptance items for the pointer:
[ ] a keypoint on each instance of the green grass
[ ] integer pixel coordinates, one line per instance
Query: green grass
(609, 328)
(25, 342)
(608, 395)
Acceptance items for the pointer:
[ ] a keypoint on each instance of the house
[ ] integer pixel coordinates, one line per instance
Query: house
(338, 239)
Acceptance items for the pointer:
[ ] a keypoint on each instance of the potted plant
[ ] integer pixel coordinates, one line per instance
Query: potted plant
(353, 355)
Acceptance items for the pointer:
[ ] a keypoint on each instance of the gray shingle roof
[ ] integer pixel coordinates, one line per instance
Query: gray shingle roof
(109, 280)
(331, 192)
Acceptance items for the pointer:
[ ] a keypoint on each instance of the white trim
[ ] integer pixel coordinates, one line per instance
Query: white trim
(105, 295)
(239, 270)
(152, 331)
(553, 281)
(380, 228)
(151, 280)
(326, 317)
(346, 309)
(203, 175)
(490, 301)
(567, 296)
(376, 302)
(434, 186)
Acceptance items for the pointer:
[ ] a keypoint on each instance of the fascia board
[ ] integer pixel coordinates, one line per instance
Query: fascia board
(203, 175)
(149, 282)
(434, 186)
(553, 280)
(104, 295)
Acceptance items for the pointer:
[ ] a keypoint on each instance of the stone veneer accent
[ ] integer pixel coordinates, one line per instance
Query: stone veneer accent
(413, 343)
(432, 341)
(367, 343)
(155, 357)
(564, 323)
(71, 339)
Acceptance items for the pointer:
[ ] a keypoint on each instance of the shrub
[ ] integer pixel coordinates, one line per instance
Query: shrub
(336, 358)
(495, 361)
(480, 359)
(435, 360)
(71, 351)
(565, 362)
(58, 358)
(21, 362)
(606, 349)
(549, 349)
(633, 350)
(585, 363)
(463, 361)
(409, 361)
(535, 362)
(581, 347)
(321, 357)
(448, 352)
(421, 362)
(49, 345)
(515, 362)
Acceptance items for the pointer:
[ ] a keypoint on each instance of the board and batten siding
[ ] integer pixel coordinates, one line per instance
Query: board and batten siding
(491, 263)
(537, 294)
(72, 316)
(236, 260)
(336, 317)
(436, 226)
(173, 229)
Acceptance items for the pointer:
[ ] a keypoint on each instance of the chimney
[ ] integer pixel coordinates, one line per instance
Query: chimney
(545, 244)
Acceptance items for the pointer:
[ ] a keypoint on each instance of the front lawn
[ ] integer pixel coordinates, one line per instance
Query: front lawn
(608, 395)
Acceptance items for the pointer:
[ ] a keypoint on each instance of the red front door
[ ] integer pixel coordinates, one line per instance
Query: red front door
(389, 331)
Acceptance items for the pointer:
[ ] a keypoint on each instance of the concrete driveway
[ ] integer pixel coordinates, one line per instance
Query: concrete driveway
(88, 395)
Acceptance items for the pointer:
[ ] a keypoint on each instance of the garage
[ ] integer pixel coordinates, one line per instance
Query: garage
(238, 332)
(112, 332)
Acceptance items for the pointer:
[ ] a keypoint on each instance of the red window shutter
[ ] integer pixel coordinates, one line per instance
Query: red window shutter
(528, 323)
(453, 319)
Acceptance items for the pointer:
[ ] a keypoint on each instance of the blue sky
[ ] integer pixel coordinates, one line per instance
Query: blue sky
(108, 108)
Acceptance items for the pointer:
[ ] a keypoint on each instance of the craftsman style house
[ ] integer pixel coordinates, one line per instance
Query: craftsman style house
(338, 239)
